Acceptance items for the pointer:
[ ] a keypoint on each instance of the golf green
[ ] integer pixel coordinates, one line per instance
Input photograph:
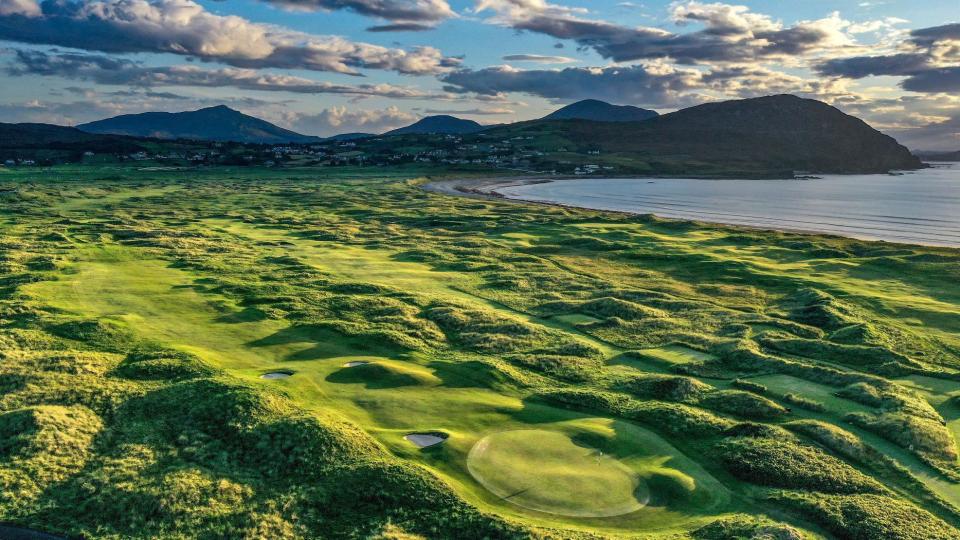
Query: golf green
(548, 472)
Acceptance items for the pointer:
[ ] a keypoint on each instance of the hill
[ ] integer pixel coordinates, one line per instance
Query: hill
(601, 111)
(39, 141)
(41, 135)
(767, 136)
(441, 124)
(349, 136)
(220, 123)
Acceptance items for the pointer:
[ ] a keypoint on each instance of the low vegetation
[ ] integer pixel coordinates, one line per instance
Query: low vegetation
(723, 383)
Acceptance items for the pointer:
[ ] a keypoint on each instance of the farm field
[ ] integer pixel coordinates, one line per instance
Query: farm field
(256, 353)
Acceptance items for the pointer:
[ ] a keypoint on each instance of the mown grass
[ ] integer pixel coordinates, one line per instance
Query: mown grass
(803, 381)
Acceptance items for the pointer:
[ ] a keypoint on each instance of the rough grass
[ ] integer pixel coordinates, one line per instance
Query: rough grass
(138, 312)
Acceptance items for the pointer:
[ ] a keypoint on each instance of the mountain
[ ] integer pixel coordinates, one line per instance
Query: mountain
(766, 136)
(439, 124)
(601, 111)
(220, 123)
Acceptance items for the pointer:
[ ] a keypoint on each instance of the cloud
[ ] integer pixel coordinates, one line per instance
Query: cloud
(26, 8)
(918, 121)
(659, 86)
(391, 10)
(656, 84)
(539, 58)
(859, 67)
(401, 27)
(928, 37)
(471, 112)
(729, 34)
(929, 61)
(942, 135)
(94, 106)
(58, 113)
(184, 27)
(119, 71)
(342, 120)
(934, 80)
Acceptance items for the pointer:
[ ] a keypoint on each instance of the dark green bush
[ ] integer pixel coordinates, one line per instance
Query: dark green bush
(664, 387)
(804, 402)
(869, 517)
(745, 404)
(749, 386)
(787, 464)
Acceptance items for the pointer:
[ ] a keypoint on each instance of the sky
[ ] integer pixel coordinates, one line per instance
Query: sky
(322, 67)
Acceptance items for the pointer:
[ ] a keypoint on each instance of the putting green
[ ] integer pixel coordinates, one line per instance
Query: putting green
(546, 471)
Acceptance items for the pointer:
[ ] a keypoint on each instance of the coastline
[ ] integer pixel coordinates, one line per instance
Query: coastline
(485, 187)
(488, 188)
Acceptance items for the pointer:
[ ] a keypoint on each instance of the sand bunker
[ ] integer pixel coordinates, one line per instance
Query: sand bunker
(276, 375)
(355, 364)
(425, 440)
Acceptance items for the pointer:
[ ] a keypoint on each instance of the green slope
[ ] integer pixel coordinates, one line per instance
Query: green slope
(589, 373)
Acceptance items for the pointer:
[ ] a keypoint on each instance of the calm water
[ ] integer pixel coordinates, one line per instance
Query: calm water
(921, 207)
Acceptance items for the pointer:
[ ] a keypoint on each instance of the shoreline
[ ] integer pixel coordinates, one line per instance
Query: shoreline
(487, 188)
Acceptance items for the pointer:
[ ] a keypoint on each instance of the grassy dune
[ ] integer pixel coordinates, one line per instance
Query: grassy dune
(589, 373)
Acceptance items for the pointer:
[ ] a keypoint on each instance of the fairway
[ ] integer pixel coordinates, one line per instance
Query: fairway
(546, 471)
(786, 384)
(160, 304)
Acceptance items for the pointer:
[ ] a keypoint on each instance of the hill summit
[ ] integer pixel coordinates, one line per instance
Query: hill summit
(439, 124)
(601, 111)
(220, 123)
(765, 136)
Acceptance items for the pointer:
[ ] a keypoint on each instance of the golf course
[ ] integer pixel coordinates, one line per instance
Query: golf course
(244, 352)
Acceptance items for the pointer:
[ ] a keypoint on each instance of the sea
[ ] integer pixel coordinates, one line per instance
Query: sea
(914, 207)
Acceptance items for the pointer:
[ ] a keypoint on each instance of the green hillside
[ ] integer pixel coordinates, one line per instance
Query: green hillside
(768, 136)
(264, 353)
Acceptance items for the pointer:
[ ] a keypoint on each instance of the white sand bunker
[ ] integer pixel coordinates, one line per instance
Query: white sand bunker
(276, 375)
(355, 364)
(425, 440)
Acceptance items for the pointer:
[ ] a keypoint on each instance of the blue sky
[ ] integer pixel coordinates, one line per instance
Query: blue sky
(319, 66)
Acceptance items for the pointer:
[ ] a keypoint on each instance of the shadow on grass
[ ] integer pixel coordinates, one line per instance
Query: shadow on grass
(468, 374)
(373, 376)
(245, 315)
(327, 343)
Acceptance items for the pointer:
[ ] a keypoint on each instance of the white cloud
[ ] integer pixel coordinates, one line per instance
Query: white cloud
(184, 27)
(335, 120)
